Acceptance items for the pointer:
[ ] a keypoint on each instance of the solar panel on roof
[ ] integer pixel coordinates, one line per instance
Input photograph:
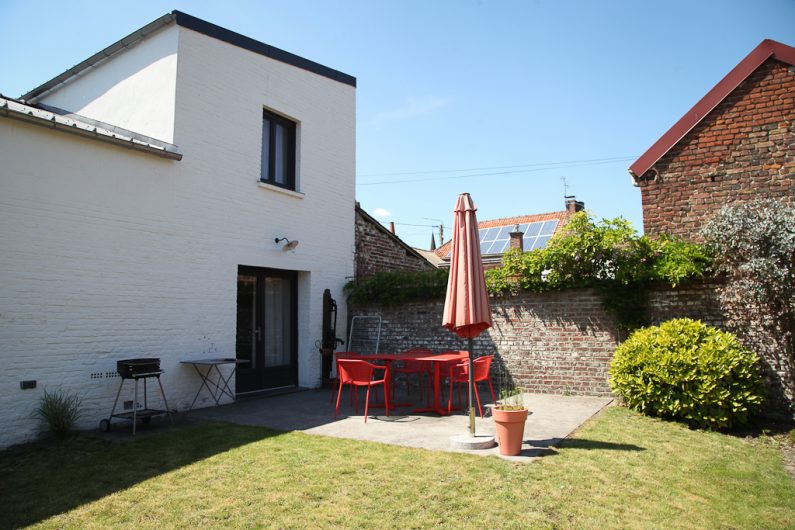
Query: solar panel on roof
(504, 232)
(532, 230)
(496, 240)
(492, 233)
(549, 228)
(540, 242)
(499, 246)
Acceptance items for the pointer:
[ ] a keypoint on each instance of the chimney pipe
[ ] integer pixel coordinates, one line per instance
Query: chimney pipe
(517, 239)
(573, 205)
(392, 226)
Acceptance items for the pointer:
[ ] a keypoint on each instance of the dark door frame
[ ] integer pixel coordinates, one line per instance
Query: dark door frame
(278, 377)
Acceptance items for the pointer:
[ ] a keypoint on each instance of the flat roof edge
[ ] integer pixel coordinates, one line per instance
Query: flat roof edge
(200, 26)
(247, 43)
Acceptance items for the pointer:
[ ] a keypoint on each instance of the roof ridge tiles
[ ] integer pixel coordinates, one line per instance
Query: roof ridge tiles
(514, 218)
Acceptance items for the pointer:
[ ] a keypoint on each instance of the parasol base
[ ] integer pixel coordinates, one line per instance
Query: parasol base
(467, 442)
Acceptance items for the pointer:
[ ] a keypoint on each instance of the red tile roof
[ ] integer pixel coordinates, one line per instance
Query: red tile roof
(765, 50)
(561, 217)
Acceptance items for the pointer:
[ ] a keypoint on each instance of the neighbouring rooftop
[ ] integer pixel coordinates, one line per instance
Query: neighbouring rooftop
(537, 230)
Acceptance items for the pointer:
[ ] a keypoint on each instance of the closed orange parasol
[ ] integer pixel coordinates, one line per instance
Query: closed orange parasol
(466, 307)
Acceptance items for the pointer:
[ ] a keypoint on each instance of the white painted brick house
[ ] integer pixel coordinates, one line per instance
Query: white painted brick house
(140, 221)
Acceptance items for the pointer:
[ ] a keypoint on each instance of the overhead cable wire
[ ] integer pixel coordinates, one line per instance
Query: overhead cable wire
(408, 224)
(537, 164)
(496, 174)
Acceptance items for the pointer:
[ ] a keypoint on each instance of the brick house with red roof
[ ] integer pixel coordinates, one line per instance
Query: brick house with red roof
(497, 236)
(734, 145)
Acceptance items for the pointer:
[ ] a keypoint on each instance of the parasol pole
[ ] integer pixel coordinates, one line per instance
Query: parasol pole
(471, 390)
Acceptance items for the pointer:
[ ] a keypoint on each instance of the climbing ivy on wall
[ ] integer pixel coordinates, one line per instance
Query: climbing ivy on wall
(607, 255)
(398, 287)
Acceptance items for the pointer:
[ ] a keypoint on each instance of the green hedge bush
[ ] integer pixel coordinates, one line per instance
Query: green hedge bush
(686, 370)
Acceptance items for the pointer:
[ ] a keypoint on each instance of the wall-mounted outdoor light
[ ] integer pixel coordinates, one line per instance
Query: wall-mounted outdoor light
(290, 245)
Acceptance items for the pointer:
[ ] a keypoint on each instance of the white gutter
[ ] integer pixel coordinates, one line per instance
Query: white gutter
(94, 130)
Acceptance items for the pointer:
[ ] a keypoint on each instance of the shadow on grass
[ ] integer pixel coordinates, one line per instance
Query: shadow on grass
(43, 479)
(774, 424)
(553, 446)
(765, 425)
(580, 443)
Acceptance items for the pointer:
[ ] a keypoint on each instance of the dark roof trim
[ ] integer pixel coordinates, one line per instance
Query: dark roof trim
(200, 26)
(383, 229)
(247, 43)
(765, 50)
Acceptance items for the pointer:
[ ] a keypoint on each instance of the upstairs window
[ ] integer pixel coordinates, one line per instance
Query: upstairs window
(278, 151)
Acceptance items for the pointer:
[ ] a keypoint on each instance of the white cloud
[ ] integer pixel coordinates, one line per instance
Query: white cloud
(411, 109)
(382, 213)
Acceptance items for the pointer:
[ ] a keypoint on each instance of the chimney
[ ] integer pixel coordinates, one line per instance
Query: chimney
(517, 239)
(392, 226)
(573, 205)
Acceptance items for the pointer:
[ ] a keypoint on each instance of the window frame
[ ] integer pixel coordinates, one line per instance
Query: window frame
(290, 162)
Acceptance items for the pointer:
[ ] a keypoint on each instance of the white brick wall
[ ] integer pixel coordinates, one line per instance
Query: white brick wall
(106, 253)
(134, 89)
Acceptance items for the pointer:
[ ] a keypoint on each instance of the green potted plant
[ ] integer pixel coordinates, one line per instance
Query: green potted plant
(509, 415)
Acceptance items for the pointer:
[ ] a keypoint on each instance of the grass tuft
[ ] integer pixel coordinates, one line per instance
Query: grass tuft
(58, 412)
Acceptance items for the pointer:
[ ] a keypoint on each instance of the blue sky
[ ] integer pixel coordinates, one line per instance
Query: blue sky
(498, 98)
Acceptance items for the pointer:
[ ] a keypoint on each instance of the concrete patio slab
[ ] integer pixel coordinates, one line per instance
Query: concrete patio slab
(552, 418)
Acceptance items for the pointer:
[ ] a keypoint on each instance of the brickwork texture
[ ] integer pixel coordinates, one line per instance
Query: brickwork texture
(379, 251)
(553, 343)
(743, 150)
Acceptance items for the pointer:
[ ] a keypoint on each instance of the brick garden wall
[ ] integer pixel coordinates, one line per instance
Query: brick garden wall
(555, 343)
(741, 151)
(697, 301)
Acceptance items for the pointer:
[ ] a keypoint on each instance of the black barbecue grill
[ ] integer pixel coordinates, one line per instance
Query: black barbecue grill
(137, 369)
(131, 368)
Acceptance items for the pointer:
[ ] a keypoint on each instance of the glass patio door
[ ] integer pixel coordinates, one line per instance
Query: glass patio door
(266, 329)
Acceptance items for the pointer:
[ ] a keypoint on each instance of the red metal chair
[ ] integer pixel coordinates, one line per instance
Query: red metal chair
(415, 367)
(336, 381)
(357, 373)
(459, 373)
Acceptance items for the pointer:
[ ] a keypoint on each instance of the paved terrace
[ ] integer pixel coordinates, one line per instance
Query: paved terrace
(552, 418)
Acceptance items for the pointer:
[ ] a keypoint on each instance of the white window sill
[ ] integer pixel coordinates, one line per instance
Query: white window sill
(289, 193)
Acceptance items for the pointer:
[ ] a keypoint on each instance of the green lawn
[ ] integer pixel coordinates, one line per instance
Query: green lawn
(620, 470)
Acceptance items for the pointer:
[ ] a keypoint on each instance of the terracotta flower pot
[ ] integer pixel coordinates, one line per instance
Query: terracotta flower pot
(510, 430)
